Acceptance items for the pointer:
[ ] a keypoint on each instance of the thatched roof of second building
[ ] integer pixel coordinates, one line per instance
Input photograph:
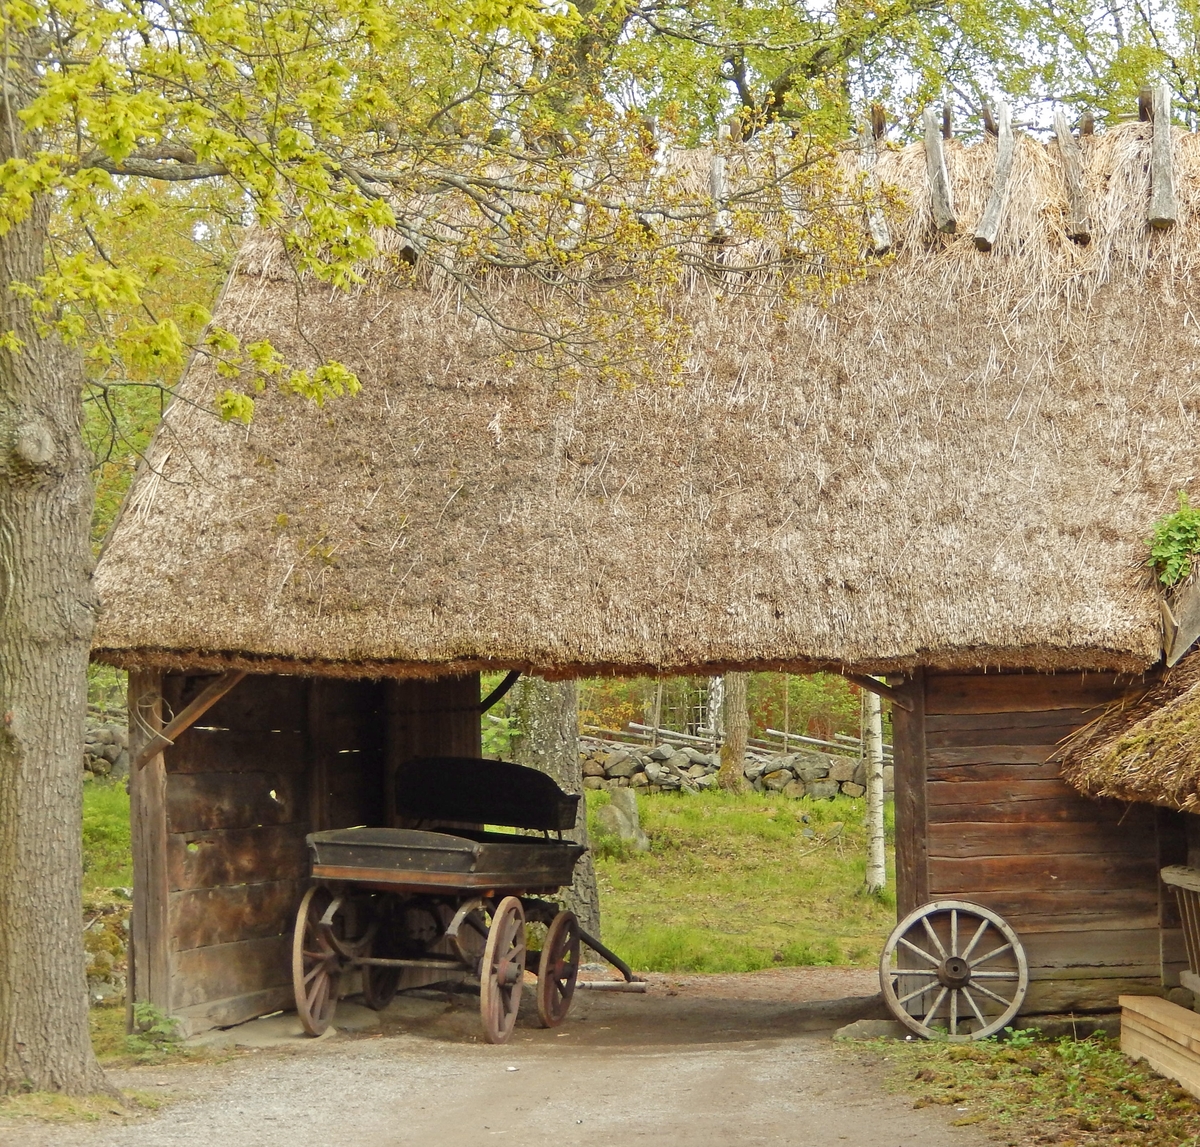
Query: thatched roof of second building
(952, 463)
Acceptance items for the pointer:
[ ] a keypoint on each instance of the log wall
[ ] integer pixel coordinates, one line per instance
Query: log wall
(221, 816)
(982, 816)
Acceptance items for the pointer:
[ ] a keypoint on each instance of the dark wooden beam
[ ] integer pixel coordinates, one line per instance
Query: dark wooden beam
(871, 685)
(912, 827)
(190, 715)
(500, 691)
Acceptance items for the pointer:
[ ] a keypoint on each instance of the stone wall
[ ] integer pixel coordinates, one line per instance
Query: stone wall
(667, 768)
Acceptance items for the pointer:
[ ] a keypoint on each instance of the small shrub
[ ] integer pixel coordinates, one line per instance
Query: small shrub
(155, 1034)
(1175, 543)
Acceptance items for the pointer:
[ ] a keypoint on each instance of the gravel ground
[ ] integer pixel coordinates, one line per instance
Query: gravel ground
(701, 1061)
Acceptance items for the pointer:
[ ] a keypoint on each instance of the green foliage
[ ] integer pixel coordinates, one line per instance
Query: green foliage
(155, 1034)
(107, 856)
(1175, 543)
(1037, 1090)
(738, 883)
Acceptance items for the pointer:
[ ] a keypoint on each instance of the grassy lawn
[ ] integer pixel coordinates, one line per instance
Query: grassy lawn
(1067, 1092)
(107, 861)
(738, 883)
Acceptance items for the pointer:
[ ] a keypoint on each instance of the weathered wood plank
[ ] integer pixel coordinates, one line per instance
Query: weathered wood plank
(260, 702)
(973, 838)
(1166, 1053)
(908, 739)
(1079, 223)
(183, 721)
(1051, 909)
(201, 917)
(224, 970)
(1013, 692)
(223, 751)
(1185, 623)
(237, 856)
(1164, 207)
(969, 773)
(234, 1010)
(1001, 809)
(1011, 723)
(877, 228)
(988, 791)
(939, 177)
(150, 971)
(965, 877)
(988, 755)
(1041, 735)
(197, 801)
(1092, 950)
(1054, 997)
(989, 225)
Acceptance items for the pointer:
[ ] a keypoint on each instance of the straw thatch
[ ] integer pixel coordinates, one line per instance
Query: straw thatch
(953, 462)
(1145, 748)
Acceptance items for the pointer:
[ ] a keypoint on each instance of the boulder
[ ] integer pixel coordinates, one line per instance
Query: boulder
(842, 769)
(889, 778)
(795, 789)
(850, 789)
(592, 768)
(655, 772)
(639, 780)
(755, 769)
(677, 763)
(698, 771)
(670, 782)
(623, 766)
(593, 783)
(811, 766)
(860, 774)
(777, 781)
(697, 757)
(823, 790)
(706, 781)
(662, 752)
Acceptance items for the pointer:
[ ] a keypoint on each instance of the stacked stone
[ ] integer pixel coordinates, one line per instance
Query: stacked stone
(666, 768)
(106, 751)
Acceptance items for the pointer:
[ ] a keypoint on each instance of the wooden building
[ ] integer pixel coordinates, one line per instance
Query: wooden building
(941, 473)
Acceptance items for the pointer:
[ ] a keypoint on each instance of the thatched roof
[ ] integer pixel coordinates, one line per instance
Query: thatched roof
(1144, 748)
(953, 463)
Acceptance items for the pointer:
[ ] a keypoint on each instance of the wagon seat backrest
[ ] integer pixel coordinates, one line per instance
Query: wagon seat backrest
(469, 791)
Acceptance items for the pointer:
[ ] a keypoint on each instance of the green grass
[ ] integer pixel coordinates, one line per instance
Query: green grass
(739, 883)
(107, 860)
(1069, 1092)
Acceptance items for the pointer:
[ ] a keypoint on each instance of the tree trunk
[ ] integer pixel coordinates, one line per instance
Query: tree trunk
(547, 739)
(47, 612)
(876, 877)
(737, 726)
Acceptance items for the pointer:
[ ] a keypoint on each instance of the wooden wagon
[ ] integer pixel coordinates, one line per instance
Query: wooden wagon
(446, 891)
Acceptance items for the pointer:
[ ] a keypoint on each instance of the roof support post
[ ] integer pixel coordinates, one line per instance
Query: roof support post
(1164, 208)
(1079, 223)
(939, 177)
(989, 225)
(881, 239)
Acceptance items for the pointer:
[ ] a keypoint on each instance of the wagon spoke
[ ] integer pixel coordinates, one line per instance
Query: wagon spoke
(991, 955)
(914, 993)
(992, 995)
(1012, 974)
(953, 934)
(954, 1013)
(974, 1007)
(983, 926)
(936, 1004)
(933, 936)
(919, 951)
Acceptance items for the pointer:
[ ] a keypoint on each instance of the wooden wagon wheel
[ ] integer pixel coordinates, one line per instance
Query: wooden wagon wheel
(957, 964)
(558, 969)
(316, 962)
(502, 972)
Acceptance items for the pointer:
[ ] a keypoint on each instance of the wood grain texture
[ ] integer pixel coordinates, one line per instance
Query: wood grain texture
(237, 856)
(940, 193)
(260, 702)
(204, 916)
(972, 771)
(989, 224)
(1164, 206)
(988, 754)
(1079, 223)
(233, 1010)
(1014, 692)
(1054, 996)
(225, 751)
(1037, 838)
(1011, 724)
(970, 875)
(220, 971)
(197, 801)
(908, 741)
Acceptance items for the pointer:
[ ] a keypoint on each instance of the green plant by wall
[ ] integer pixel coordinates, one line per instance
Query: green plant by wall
(1175, 543)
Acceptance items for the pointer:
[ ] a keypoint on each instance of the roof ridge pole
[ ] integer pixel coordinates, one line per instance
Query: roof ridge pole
(1164, 208)
(989, 225)
(881, 238)
(939, 177)
(1079, 223)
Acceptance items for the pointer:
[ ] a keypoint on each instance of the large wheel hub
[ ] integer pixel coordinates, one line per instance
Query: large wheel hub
(954, 972)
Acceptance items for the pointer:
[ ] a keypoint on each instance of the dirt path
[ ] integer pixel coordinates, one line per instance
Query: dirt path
(702, 1061)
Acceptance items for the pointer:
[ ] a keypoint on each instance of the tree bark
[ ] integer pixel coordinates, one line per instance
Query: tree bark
(876, 876)
(731, 776)
(47, 611)
(547, 739)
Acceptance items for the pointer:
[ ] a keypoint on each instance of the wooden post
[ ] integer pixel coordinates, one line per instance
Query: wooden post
(872, 741)
(989, 225)
(716, 187)
(939, 177)
(912, 828)
(150, 964)
(1164, 209)
(1079, 223)
(881, 239)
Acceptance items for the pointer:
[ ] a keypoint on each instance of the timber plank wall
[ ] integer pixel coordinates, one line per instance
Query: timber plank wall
(982, 816)
(219, 821)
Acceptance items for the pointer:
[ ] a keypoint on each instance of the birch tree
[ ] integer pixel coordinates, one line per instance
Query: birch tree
(876, 874)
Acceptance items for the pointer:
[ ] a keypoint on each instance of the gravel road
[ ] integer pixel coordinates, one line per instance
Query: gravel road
(701, 1061)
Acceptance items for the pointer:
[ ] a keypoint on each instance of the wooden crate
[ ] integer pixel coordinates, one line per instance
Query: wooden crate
(1165, 1035)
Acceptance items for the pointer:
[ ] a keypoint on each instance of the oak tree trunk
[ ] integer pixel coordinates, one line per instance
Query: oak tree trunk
(547, 738)
(731, 776)
(46, 617)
